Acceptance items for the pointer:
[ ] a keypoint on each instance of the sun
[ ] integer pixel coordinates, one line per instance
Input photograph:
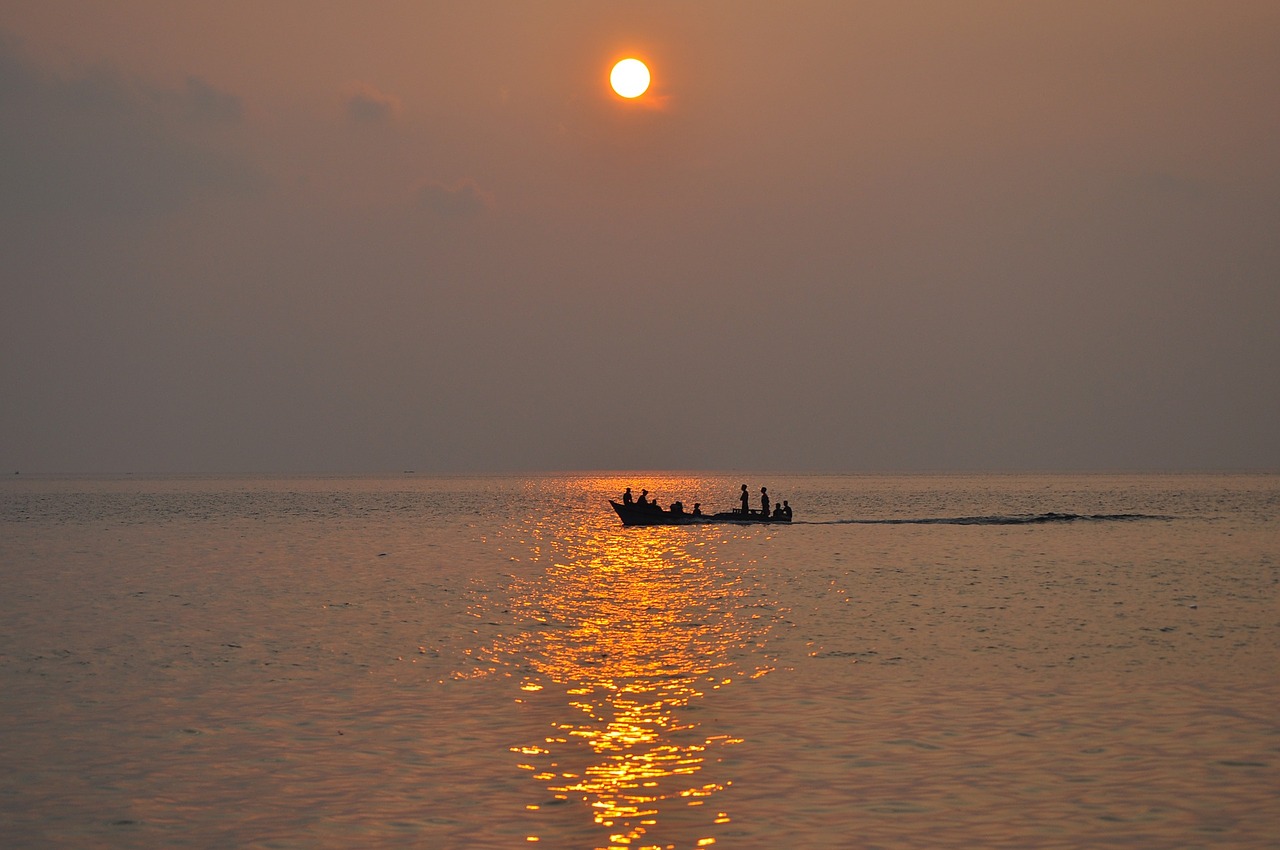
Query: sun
(629, 78)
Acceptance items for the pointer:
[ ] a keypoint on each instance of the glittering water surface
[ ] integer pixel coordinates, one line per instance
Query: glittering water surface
(916, 661)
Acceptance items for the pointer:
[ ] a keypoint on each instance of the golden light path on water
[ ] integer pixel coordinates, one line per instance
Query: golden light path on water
(626, 631)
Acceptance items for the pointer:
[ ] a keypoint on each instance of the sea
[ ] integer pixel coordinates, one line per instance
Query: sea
(415, 661)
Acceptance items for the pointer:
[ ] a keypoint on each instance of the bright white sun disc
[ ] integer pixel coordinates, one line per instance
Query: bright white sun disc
(629, 78)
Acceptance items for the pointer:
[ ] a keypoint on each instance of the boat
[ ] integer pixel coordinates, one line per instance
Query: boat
(650, 515)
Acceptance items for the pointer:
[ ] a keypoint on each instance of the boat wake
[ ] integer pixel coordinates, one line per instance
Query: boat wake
(999, 519)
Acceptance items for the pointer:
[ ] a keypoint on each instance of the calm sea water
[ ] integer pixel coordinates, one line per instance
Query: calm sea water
(917, 661)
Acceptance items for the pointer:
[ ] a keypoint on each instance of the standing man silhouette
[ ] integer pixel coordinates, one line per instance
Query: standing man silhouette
(746, 500)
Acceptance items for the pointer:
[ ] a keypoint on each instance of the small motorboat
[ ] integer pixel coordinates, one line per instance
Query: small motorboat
(650, 514)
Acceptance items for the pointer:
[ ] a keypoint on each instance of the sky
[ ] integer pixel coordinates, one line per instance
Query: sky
(289, 236)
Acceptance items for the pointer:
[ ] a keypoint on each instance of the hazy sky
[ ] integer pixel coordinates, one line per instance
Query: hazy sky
(301, 236)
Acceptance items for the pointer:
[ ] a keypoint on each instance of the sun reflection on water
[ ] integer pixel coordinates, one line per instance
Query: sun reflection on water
(626, 631)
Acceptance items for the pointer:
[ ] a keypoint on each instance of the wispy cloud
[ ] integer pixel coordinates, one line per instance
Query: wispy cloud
(99, 143)
(365, 104)
(202, 101)
(456, 200)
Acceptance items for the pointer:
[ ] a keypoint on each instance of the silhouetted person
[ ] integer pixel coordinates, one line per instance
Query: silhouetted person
(786, 510)
(626, 498)
(746, 500)
(643, 501)
(777, 512)
(764, 501)
(677, 508)
(697, 509)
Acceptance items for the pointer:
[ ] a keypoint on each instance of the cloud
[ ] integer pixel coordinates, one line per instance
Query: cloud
(365, 104)
(461, 198)
(97, 143)
(204, 102)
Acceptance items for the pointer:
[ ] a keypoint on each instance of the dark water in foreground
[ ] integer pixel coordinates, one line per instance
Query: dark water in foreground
(951, 661)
